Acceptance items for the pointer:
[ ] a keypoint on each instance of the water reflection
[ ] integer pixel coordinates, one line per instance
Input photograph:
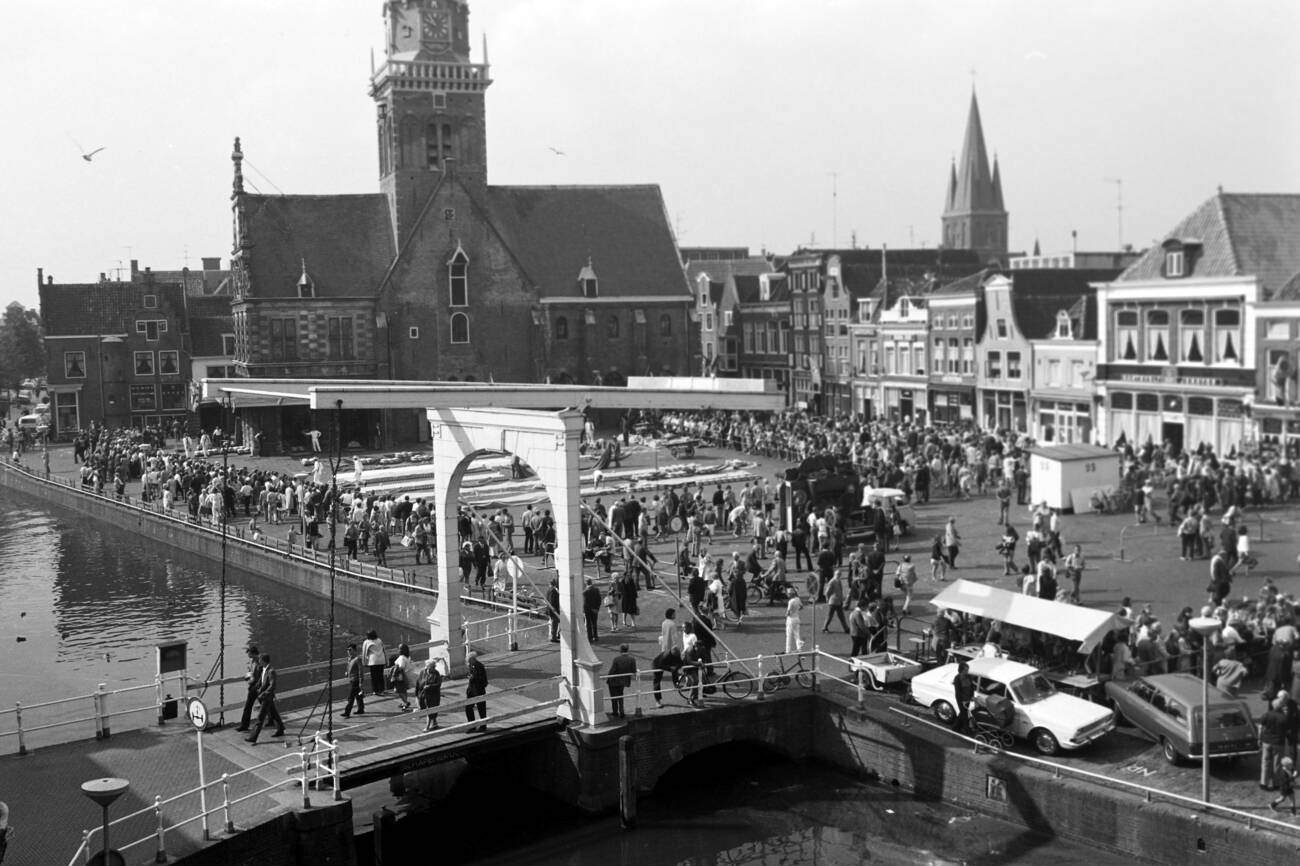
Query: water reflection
(95, 600)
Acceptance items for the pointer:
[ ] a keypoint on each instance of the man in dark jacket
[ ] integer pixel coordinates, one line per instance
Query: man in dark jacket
(591, 599)
(621, 671)
(476, 687)
(963, 686)
(669, 662)
(553, 608)
(266, 697)
(1272, 741)
(254, 679)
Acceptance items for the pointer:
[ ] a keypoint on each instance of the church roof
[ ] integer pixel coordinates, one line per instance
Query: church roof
(972, 187)
(623, 230)
(1240, 234)
(344, 241)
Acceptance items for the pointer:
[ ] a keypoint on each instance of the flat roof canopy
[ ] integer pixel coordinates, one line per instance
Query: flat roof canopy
(676, 393)
(1070, 621)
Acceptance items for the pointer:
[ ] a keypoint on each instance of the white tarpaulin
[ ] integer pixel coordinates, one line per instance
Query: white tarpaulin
(1053, 617)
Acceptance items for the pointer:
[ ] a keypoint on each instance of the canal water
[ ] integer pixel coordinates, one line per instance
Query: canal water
(83, 603)
(736, 806)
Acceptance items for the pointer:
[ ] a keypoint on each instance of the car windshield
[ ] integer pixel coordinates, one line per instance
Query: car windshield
(1032, 688)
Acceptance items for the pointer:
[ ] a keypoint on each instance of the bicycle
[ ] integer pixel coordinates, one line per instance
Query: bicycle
(779, 679)
(735, 684)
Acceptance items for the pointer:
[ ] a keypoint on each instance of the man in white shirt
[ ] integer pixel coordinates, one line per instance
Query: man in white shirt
(669, 636)
(793, 640)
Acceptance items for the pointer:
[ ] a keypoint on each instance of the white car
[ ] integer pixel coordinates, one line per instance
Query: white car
(1047, 718)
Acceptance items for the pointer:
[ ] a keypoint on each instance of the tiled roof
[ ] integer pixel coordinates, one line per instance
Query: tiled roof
(720, 269)
(1240, 234)
(964, 285)
(1290, 291)
(210, 317)
(106, 308)
(346, 242)
(1037, 295)
(623, 230)
(747, 286)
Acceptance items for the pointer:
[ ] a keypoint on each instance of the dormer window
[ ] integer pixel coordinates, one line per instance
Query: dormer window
(1063, 325)
(306, 286)
(590, 285)
(1174, 263)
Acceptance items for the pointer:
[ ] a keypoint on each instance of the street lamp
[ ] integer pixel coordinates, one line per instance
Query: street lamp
(104, 792)
(1205, 626)
(228, 408)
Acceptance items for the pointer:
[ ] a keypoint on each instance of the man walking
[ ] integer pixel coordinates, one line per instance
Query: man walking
(266, 697)
(591, 608)
(793, 640)
(354, 683)
(254, 678)
(476, 687)
(963, 686)
(621, 671)
(835, 600)
(859, 629)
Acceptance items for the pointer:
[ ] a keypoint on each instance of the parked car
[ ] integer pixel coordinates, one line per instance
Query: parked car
(34, 423)
(1167, 708)
(1045, 717)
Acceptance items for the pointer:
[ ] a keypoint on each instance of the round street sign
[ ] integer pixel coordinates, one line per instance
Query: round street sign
(198, 714)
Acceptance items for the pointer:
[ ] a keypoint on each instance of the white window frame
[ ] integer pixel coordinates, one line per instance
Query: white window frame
(451, 329)
(1175, 264)
(458, 260)
(67, 356)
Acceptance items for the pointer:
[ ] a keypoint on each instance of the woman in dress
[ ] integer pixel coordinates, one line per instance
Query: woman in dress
(628, 600)
(402, 675)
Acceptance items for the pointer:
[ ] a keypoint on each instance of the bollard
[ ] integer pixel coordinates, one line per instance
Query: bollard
(816, 664)
(862, 691)
(626, 782)
(160, 856)
(18, 719)
(85, 845)
(306, 770)
(104, 722)
(338, 772)
(636, 694)
(760, 678)
(99, 717)
(225, 802)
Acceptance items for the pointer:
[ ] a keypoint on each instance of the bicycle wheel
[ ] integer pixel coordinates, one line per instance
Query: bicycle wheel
(736, 685)
(686, 687)
(774, 681)
(803, 677)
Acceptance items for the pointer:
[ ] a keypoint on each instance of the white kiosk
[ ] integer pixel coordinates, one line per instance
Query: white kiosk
(1066, 476)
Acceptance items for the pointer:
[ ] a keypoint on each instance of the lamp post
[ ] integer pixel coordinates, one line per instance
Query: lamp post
(227, 406)
(1205, 626)
(104, 792)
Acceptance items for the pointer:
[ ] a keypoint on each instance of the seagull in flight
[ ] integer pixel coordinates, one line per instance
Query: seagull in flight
(87, 156)
(556, 151)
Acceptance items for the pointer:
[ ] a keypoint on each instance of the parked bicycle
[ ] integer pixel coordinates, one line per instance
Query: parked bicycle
(735, 684)
(780, 678)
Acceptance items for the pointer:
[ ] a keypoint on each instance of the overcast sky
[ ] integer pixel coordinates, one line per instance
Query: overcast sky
(739, 109)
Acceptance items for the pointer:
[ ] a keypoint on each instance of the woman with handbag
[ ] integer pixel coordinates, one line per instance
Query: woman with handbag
(428, 691)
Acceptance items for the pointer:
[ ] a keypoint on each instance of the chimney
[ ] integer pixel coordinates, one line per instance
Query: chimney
(135, 268)
(40, 277)
(49, 281)
(102, 278)
(212, 263)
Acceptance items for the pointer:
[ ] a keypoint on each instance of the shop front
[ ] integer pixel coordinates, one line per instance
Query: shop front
(1005, 410)
(1184, 420)
(905, 405)
(952, 405)
(1279, 429)
(1063, 422)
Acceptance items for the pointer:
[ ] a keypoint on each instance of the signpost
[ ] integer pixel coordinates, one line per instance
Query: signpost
(199, 719)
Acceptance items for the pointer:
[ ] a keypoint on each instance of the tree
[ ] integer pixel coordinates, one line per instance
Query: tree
(22, 347)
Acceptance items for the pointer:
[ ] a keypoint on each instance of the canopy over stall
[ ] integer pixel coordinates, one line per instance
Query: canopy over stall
(1084, 624)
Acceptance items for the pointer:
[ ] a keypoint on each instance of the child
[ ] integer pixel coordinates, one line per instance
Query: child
(1285, 778)
(1244, 560)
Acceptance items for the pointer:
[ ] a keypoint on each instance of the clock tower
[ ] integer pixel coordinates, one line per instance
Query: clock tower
(429, 98)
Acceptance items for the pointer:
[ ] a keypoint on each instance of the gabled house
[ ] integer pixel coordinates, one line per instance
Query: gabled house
(763, 313)
(714, 282)
(956, 312)
(1062, 396)
(1181, 358)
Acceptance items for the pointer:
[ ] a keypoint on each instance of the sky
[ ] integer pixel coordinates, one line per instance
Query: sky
(768, 123)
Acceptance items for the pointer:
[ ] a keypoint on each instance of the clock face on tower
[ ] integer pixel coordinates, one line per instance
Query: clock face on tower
(436, 26)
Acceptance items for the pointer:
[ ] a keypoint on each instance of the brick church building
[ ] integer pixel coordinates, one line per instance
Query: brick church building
(441, 275)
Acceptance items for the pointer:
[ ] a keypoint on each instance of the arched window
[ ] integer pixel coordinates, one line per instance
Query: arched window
(458, 278)
(665, 325)
(459, 328)
(561, 328)
(611, 327)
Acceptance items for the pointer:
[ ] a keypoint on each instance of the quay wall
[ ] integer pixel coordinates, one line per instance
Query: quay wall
(581, 768)
(390, 600)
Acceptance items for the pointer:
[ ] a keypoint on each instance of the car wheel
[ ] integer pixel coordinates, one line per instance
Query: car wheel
(1171, 754)
(944, 712)
(1045, 741)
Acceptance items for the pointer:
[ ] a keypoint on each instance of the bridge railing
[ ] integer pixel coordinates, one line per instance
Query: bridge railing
(735, 678)
(97, 708)
(1148, 794)
(319, 754)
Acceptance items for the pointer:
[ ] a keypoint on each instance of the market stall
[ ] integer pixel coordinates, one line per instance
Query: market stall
(1056, 637)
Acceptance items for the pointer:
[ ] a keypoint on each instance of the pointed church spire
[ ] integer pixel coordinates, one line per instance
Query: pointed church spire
(974, 183)
(952, 185)
(997, 183)
(1038, 251)
(975, 217)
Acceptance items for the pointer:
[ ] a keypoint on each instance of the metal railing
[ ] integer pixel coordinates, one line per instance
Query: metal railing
(320, 753)
(758, 671)
(1149, 794)
(102, 714)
